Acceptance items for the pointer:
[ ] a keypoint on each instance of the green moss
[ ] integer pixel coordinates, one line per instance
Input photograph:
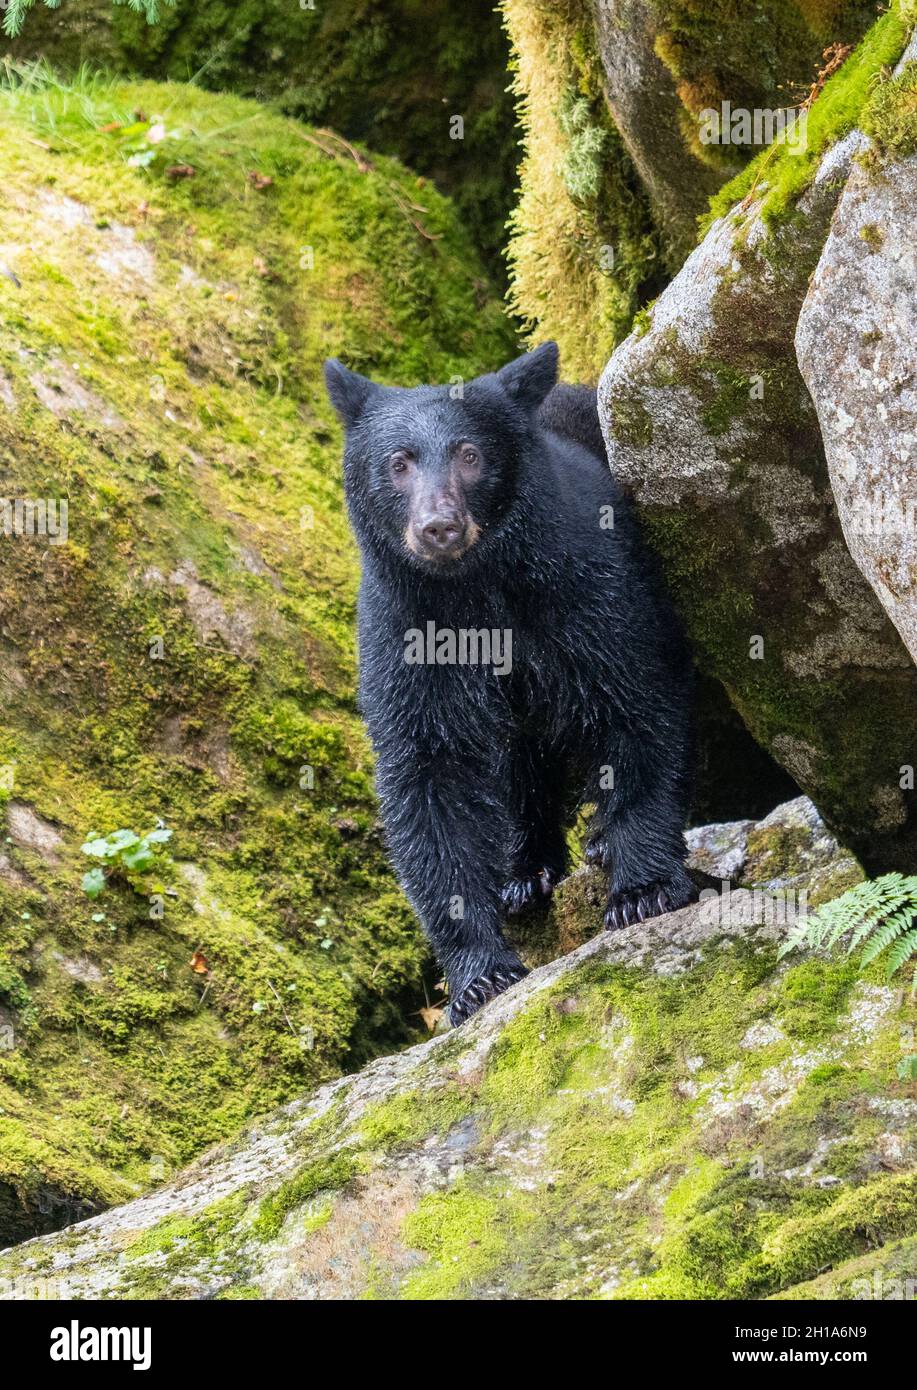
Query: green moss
(466, 1233)
(890, 118)
(776, 852)
(750, 1238)
(362, 67)
(885, 1273)
(882, 1210)
(412, 1116)
(200, 1235)
(626, 1137)
(762, 56)
(626, 1035)
(780, 177)
(873, 236)
(583, 252)
(631, 422)
(328, 1174)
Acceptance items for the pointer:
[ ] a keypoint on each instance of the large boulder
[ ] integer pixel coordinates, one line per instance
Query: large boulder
(666, 1112)
(709, 421)
(182, 649)
(856, 344)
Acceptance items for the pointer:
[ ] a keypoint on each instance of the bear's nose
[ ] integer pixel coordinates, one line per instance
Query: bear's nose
(442, 533)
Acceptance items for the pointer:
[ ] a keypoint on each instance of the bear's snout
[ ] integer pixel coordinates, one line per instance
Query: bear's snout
(443, 531)
(439, 535)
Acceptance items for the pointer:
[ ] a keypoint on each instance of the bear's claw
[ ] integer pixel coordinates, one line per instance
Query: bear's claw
(482, 990)
(638, 904)
(595, 850)
(522, 892)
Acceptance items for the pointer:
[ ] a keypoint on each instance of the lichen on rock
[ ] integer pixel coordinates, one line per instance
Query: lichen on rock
(855, 343)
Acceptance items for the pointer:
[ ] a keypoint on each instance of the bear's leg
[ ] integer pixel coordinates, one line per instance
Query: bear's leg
(638, 839)
(448, 832)
(538, 857)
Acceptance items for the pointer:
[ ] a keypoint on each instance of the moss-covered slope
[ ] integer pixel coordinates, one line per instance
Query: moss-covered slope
(392, 73)
(175, 266)
(666, 1113)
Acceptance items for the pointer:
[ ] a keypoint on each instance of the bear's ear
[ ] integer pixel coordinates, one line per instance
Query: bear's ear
(348, 390)
(529, 379)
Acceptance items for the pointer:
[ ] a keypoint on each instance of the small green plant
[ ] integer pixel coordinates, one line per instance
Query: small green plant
(123, 854)
(879, 915)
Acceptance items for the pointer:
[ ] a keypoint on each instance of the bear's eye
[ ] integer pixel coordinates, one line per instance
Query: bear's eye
(469, 456)
(399, 461)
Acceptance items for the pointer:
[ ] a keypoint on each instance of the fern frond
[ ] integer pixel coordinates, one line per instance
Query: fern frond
(884, 935)
(877, 912)
(901, 952)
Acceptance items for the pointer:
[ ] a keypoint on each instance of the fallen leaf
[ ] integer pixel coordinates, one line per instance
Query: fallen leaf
(431, 1016)
(198, 963)
(181, 171)
(259, 181)
(112, 125)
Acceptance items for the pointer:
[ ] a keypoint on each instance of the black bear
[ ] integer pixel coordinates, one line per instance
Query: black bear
(518, 658)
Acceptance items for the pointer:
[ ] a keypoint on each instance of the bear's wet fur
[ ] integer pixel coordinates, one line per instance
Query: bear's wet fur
(487, 511)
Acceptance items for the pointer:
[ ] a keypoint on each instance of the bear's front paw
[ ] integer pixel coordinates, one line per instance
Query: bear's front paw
(632, 905)
(482, 989)
(527, 889)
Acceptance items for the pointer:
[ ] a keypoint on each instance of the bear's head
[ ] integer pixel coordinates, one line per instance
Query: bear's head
(433, 472)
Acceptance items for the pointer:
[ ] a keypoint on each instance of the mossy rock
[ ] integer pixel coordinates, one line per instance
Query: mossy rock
(187, 653)
(392, 73)
(614, 174)
(729, 472)
(665, 1113)
(855, 346)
